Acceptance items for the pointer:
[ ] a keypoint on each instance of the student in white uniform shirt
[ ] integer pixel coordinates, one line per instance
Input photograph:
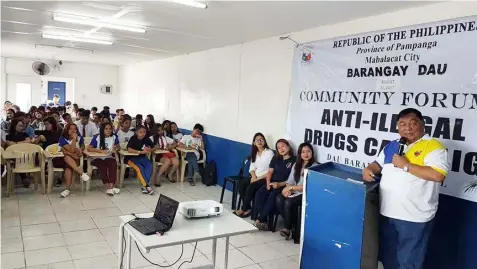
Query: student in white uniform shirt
(409, 192)
(195, 142)
(72, 146)
(124, 133)
(176, 134)
(163, 142)
(85, 127)
(261, 157)
(108, 143)
(93, 112)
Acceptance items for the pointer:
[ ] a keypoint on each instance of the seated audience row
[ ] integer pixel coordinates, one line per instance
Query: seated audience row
(106, 137)
(276, 183)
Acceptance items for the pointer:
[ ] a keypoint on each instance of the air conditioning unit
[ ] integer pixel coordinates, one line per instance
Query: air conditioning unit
(108, 89)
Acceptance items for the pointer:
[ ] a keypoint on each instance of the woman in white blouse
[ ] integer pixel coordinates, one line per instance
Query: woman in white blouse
(261, 157)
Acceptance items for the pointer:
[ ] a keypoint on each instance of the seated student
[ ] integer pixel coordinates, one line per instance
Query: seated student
(38, 120)
(117, 119)
(67, 119)
(16, 133)
(78, 113)
(94, 111)
(98, 120)
(105, 116)
(26, 118)
(32, 110)
(107, 109)
(167, 159)
(72, 146)
(42, 109)
(290, 198)
(141, 144)
(278, 172)
(260, 161)
(166, 125)
(108, 143)
(51, 135)
(61, 110)
(5, 125)
(6, 106)
(195, 142)
(124, 133)
(175, 133)
(28, 129)
(136, 122)
(85, 127)
(68, 107)
(149, 123)
(16, 108)
(57, 118)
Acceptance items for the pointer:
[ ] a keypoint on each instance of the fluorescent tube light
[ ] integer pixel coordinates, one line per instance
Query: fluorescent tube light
(189, 3)
(98, 23)
(77, 39)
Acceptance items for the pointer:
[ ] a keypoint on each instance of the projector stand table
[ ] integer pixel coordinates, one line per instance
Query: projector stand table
(183, 231)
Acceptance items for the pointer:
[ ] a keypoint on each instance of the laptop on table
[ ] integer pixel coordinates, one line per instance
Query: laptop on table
(162, 220)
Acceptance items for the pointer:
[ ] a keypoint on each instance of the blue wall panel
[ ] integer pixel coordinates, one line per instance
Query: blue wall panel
(453, 243)
(227, 154)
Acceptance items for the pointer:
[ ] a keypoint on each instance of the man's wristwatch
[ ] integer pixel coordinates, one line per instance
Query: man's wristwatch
(406, 168)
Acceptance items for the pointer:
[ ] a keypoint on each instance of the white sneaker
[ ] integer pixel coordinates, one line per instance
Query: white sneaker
(110, 192)
(65, 194)
(116, 190)
(85, 177)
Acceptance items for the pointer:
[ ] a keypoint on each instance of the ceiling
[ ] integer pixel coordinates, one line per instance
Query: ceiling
(171, 28)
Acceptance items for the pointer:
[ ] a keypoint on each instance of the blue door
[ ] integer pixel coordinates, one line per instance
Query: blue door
(55, 87)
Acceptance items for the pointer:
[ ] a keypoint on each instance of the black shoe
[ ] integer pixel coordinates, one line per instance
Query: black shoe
(191, 182)
(26, 182)
(58, 183)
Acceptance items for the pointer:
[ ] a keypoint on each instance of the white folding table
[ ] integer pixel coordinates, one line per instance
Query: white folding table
(183, 231)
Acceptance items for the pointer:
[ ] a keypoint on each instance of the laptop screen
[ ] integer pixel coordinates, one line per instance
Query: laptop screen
(166, 210)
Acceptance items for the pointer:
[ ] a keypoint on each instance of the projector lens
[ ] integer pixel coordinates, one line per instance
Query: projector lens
(217, 209)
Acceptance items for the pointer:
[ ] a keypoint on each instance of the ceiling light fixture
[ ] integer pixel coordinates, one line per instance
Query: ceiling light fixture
(189, 3)
(98, 23)
(76, 39)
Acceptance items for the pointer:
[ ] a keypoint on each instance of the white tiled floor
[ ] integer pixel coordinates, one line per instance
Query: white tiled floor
(81, 232)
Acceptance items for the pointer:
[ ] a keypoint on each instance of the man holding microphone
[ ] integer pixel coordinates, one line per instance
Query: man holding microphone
(412, 169)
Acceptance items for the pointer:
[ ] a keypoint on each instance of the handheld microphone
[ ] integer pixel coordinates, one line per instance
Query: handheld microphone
(402, 143)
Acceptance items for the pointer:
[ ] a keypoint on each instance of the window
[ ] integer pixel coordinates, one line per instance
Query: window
(23, 96)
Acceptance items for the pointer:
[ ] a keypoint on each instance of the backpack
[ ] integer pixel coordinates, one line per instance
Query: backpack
(209, 177)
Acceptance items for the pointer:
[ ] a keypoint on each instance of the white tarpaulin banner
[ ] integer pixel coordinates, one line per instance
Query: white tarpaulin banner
(346, 93)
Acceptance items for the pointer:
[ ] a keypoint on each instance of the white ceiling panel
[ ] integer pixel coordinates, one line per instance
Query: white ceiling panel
(171, 29)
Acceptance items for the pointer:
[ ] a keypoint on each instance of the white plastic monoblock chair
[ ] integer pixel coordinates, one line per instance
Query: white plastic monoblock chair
(25, 156)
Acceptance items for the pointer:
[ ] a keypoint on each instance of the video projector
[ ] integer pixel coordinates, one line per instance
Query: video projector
(200, 209)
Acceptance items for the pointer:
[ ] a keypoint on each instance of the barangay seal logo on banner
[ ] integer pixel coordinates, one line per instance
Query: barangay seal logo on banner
(307, 55)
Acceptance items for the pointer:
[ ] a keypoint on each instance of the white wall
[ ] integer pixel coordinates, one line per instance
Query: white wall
(3, 82)
(238, 90)
(87, 79)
